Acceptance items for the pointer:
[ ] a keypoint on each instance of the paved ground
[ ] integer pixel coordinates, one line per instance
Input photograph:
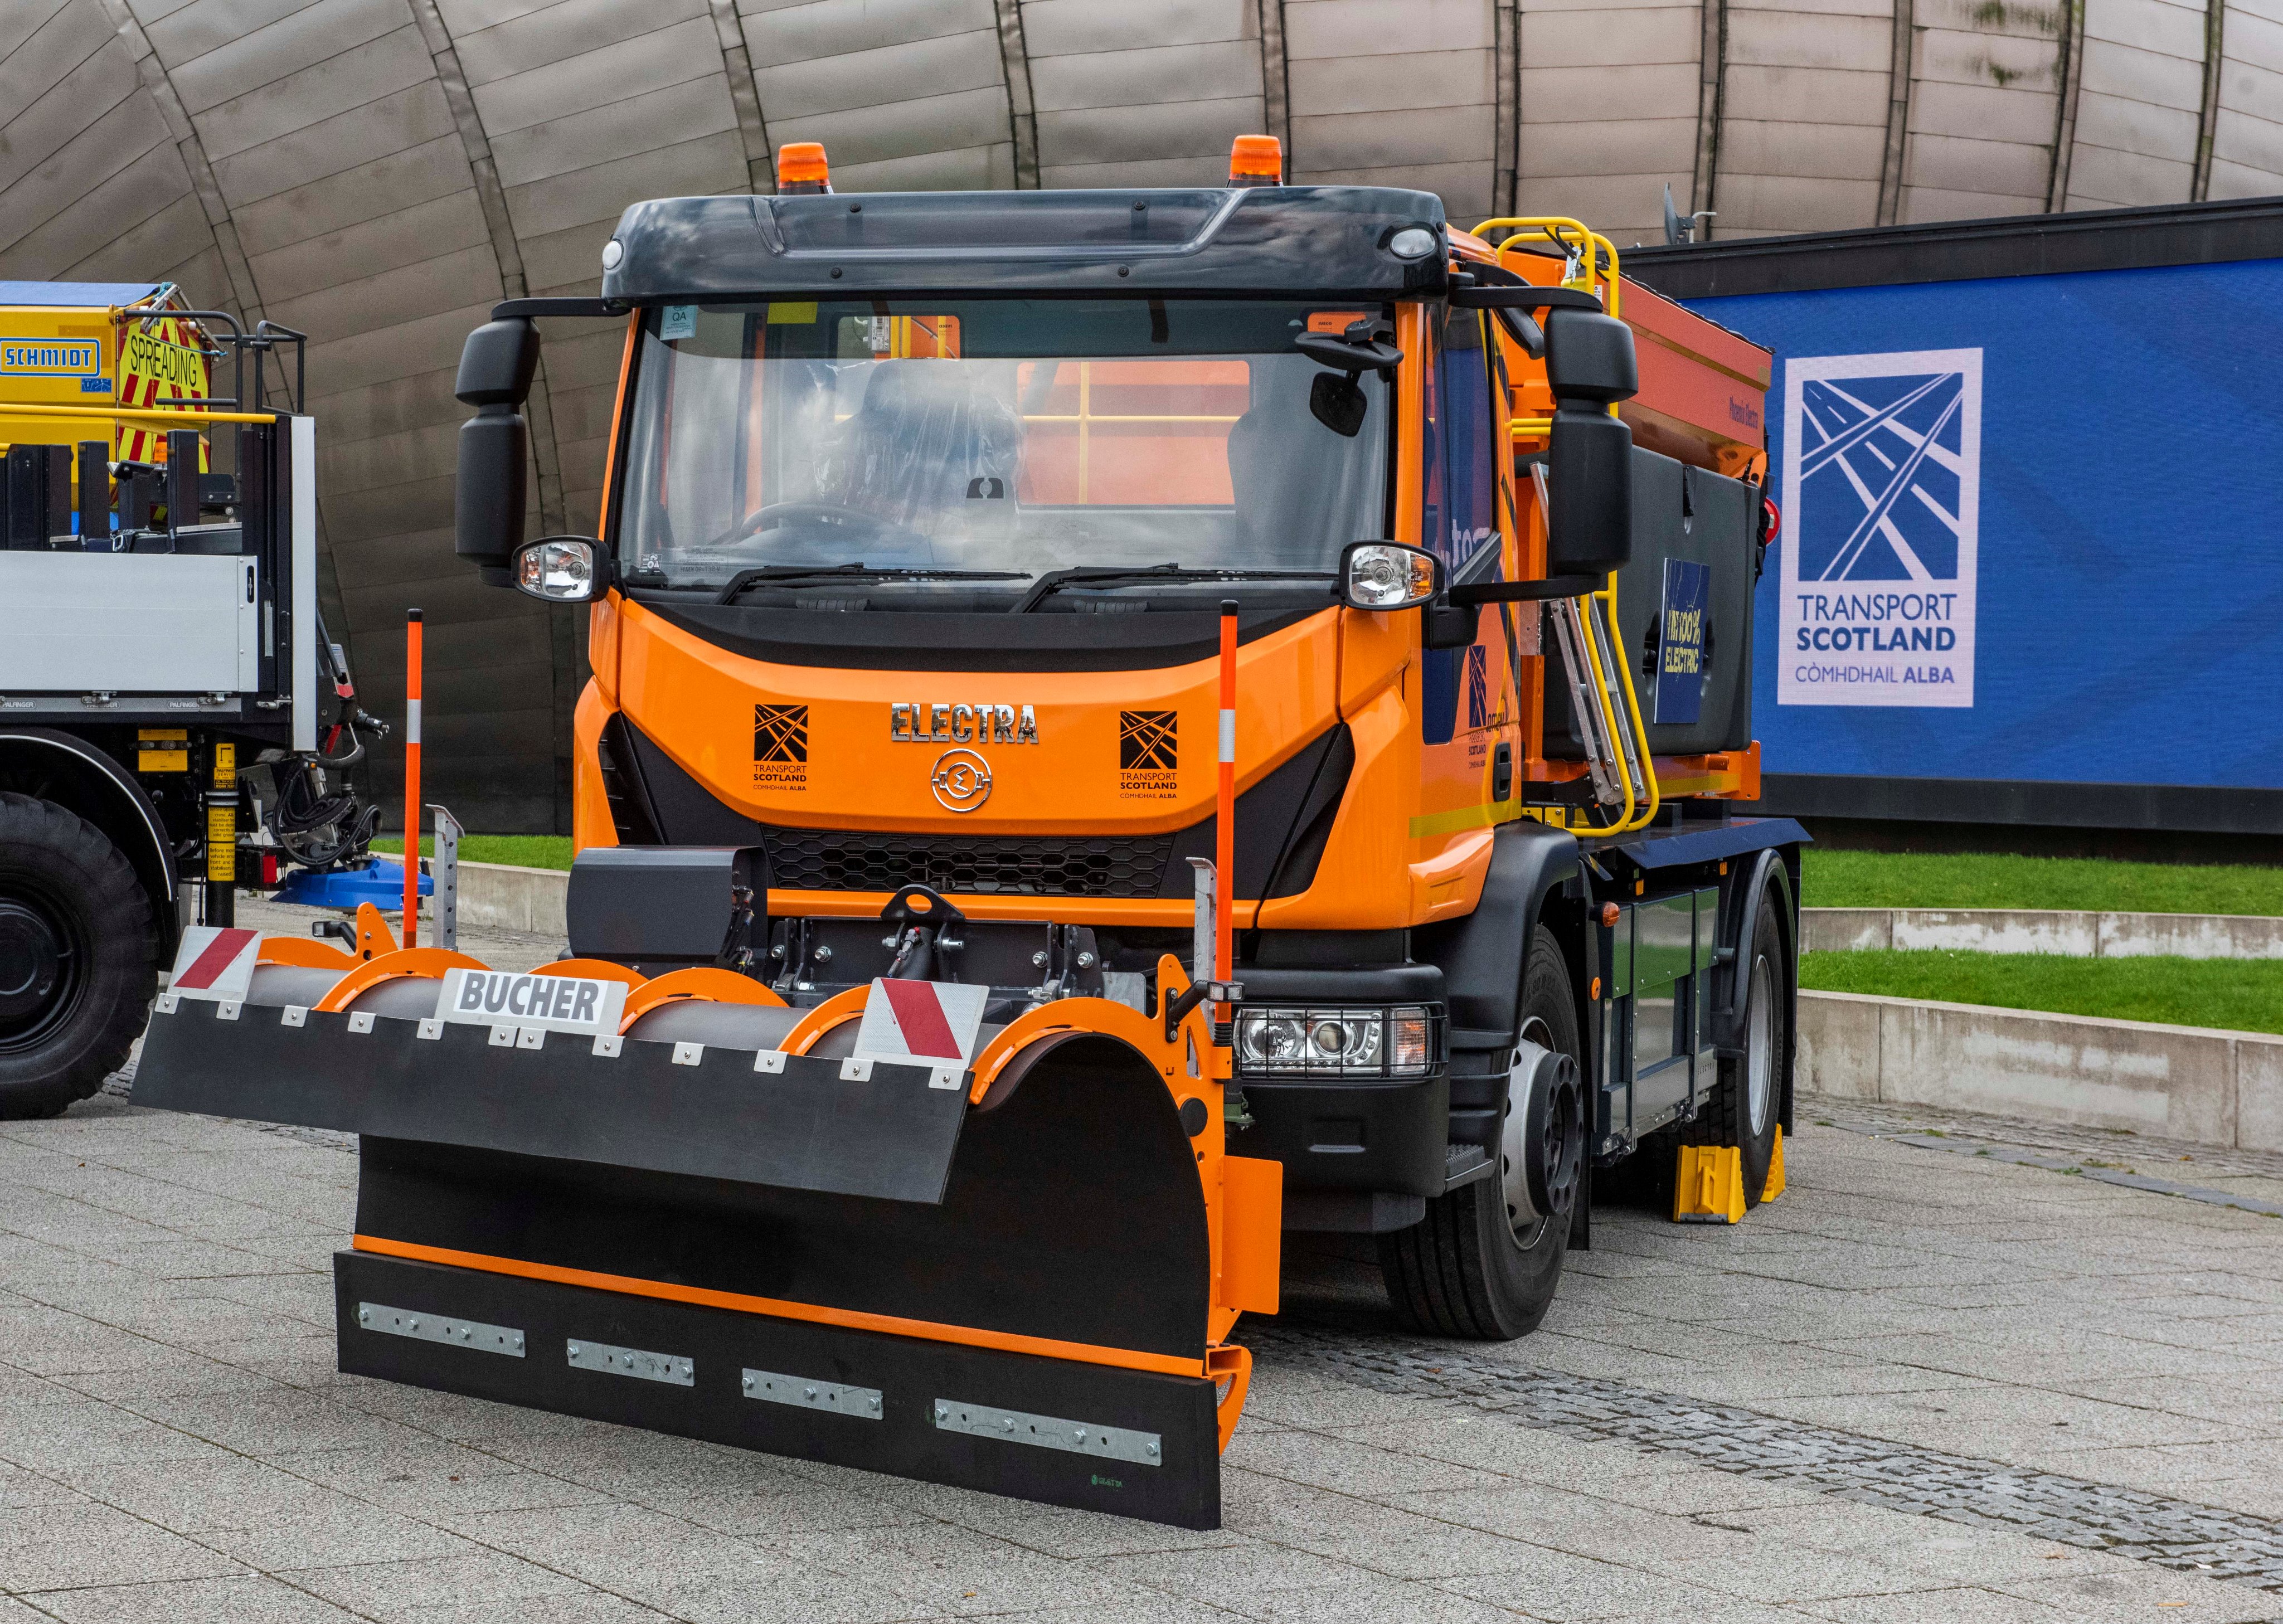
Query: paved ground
(1922, 1385)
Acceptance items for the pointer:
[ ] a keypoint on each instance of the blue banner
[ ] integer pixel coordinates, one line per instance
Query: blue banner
(2030, 528)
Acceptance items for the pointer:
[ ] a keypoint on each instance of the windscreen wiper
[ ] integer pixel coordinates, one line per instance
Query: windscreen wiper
(1055, 581)
(785, 574)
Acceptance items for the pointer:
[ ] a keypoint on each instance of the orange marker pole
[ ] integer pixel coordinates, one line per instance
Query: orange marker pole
(1225, 808)
(412, 778)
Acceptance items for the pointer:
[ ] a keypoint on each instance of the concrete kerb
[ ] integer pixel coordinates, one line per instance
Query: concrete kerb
(2021, 930)
(2188, 1082)
(2179, 1082)
(502, 896)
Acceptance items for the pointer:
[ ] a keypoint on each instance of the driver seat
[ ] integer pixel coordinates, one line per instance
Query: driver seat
(932, 452)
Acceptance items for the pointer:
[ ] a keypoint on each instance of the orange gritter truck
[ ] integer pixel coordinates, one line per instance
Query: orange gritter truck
(1125, 724)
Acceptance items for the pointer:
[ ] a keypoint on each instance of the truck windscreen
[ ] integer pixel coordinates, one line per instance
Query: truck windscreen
(1004, 434)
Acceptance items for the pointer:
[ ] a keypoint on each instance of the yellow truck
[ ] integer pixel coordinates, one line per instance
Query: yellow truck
(170, 706)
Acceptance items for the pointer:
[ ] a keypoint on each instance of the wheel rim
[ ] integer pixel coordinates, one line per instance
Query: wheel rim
(42, 967)
(1523, 1217)
(1760, 1045)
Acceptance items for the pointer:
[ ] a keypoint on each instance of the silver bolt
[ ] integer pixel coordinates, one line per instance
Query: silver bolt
(518, 1339)
(412, 1325)
(941, 1410)
(749, 1384)
(875, 1403)
(808, 1393)
(887, 941)
(1153, 1448)
(1009, 1423)
(363, 1315)
(685, 1367)
(1039, 961)
(574, 1350)
(823, 954)
(1081, 1435)
(1085, 961)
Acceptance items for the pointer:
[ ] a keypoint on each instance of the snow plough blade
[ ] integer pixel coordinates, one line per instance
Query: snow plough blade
(1010, 1272)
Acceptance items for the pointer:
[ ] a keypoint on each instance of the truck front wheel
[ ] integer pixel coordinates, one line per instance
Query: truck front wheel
(78, 966)
(1484, 1262)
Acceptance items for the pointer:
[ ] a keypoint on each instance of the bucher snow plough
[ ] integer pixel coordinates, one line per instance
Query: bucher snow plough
(1125, 724)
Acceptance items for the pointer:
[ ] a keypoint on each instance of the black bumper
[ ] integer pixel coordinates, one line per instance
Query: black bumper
(1382, 1136)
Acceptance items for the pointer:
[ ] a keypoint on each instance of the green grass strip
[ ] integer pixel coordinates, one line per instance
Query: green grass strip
(2242, 994)
(519, 851)
(1981, 880)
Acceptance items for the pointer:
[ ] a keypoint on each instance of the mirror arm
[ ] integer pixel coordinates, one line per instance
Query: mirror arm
(1526, 592)
(515, 309)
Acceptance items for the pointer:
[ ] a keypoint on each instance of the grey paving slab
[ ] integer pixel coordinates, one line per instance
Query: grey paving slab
(175, 1441)
(248, 1598)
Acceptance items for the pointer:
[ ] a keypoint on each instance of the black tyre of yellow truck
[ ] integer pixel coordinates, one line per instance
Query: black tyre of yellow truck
(1747, 1103)
(1483, 1264)
(78, 964)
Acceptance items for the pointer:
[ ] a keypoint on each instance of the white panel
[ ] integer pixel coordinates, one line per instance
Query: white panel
(126, 623)
(303, 449)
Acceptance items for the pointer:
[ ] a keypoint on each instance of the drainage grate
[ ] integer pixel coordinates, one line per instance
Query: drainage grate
(2127, 1522)
(1022, 865)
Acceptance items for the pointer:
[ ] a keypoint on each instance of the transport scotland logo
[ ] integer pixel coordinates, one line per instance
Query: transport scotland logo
(1147, 740)
(1883, 476)
(780, 733)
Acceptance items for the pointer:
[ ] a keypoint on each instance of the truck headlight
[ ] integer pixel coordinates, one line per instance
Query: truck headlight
(1371, 1042)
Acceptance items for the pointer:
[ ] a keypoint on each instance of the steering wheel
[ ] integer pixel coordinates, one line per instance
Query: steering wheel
(777, 515)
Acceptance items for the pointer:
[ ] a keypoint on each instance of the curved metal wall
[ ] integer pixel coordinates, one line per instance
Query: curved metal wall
(377, 172)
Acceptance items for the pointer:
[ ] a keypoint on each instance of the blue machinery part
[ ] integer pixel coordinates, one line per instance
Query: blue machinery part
(373, 880)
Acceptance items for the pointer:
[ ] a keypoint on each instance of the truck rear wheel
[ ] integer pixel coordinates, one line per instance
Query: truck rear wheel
(1483, 1264)
(78, 967)
(1748, 1101)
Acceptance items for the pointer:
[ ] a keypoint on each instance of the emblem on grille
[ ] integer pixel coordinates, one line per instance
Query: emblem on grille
(780, 733)
(960, 780)
(1147, 740)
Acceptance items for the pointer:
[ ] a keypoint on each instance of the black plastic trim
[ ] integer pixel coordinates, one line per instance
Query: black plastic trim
(1391, 1134)
(879, 641)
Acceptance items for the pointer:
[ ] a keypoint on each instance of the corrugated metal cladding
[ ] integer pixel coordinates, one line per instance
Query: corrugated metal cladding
(377, 172)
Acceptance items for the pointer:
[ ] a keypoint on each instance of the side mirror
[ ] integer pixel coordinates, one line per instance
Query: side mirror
(1590, 365)
(1384, 575)
(496, 366)
(562, 569)
(497, 362)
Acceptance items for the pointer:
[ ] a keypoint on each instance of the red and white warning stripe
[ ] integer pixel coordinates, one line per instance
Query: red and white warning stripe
(933, 1023)
(214, 962)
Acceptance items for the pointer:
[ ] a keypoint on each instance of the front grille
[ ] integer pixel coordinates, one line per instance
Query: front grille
(1018, 865)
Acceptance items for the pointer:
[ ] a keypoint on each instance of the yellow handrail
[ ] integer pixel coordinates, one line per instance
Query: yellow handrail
(1573, 237)
(14, 410)
(1632, 704)
(1576, 239)
(1592, 639)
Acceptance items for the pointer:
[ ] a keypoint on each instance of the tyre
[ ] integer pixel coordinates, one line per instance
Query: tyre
(1747, 1100)
(1484, 1262)
(78, 962)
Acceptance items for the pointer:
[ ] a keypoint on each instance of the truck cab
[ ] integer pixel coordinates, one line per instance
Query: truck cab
(923, 514)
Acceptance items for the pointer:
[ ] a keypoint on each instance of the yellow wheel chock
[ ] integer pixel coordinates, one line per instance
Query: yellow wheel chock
(1710, 1186)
